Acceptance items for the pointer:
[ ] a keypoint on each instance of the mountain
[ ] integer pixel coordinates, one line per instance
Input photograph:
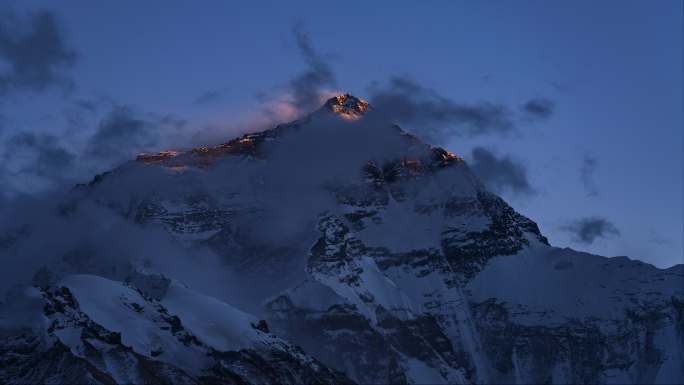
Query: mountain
(333, 249)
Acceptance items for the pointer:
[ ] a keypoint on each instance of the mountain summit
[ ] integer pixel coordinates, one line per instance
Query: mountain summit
(312, 254)
(347, 105)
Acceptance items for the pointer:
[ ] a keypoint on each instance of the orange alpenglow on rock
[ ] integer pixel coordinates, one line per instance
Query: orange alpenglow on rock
(153, 158)
(348, 106)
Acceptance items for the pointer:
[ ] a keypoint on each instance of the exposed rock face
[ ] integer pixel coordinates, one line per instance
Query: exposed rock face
(578, 350)
(347, 106)
(382, 257)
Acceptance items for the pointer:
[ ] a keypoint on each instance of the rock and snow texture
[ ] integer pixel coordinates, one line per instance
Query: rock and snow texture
(95, 330)
(333, 249)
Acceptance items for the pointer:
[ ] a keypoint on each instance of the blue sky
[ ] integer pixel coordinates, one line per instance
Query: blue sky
(611, 69)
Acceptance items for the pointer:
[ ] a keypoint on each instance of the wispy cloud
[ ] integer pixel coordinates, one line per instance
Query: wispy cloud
(588, 230)
(307, 86)
(35, 52)
(124, 132)
(500, 173)
(210, 97)
(434, 116)
(305, 91)
(587, 170)
(539, 108)
(91, 143)
(34, 160)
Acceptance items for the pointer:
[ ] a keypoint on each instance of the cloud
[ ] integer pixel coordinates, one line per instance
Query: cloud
(587, 230)
(303, 93)
(587, 170)
(658, 239)
(436, 117)
(90, 143)
(50, 157)
(290, 191)
(56, 232)
(33, 161)
(500, 173)
(307, 87)
(86, 105)
(539, 108)
(209, 97)
(120, 130)
(34, 52)
(123, 132)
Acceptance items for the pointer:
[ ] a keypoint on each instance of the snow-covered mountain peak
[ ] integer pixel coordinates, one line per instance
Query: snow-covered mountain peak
(381, 256)
(348, 106)
(333, 131)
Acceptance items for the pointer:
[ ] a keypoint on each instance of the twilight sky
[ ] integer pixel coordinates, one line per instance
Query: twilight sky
(572, 111)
